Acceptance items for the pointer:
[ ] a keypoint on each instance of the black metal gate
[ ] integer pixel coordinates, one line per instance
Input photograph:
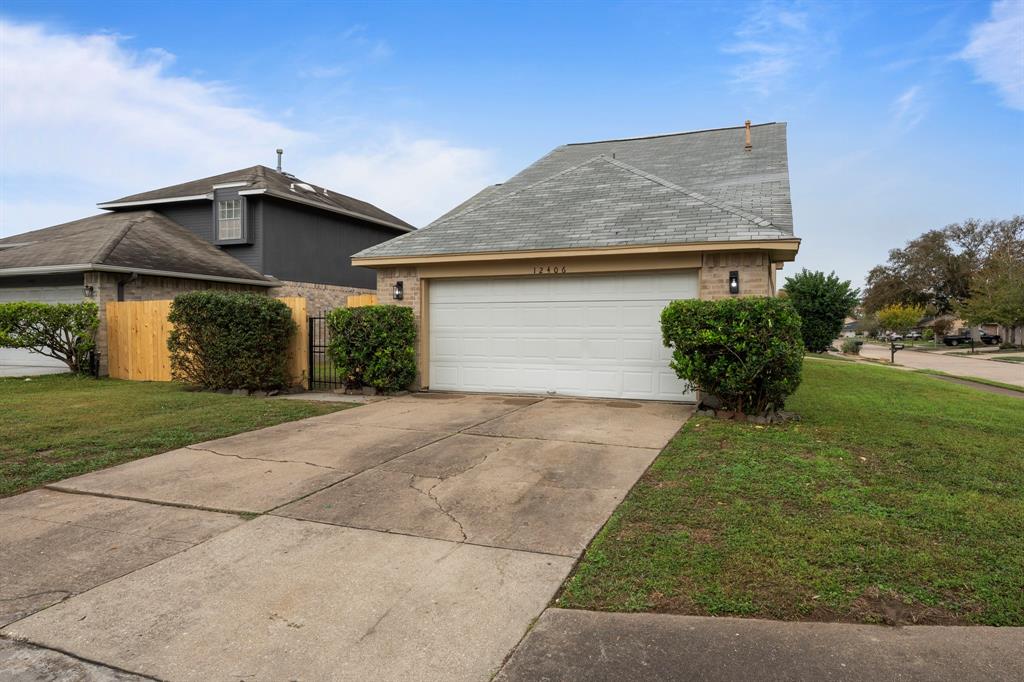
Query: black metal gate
(323, 374)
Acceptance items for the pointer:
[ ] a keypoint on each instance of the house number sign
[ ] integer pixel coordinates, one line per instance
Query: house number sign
(549, 269)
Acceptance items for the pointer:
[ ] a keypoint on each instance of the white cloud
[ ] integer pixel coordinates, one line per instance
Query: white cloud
(85, 118)
(996, 50)
(775, 41)
(417, 180)
(909, 108)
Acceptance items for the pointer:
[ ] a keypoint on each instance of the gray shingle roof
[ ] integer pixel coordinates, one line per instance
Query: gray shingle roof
(143, 240)
(278, 185)
(685, 187)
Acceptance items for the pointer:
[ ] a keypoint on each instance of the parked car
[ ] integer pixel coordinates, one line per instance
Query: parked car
(913, 336)
(894, 336)
(964, 336)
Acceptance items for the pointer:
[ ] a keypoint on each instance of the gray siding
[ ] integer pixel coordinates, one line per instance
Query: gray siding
(199, 218)
(307, 245)
(195, 216)
(288, 240)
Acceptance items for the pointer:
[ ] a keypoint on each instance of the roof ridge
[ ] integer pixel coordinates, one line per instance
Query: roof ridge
(751, 217)
(680, 132)
(108, 247)
(503, 197)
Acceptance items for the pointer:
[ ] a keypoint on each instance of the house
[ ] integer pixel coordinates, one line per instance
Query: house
(553, 282)
(256, 229)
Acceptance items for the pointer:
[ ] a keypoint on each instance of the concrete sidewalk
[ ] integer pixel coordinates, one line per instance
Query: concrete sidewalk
(959, 365)
(586, 645)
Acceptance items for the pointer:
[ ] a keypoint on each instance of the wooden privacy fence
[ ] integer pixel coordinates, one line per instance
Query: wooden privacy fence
(360, 300)
(137, 333)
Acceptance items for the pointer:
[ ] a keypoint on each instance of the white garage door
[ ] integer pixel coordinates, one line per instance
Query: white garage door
(581, 335)
(18, 362)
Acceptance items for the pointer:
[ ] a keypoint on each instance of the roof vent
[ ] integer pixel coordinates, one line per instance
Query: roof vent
(280, 153)
(747, 147)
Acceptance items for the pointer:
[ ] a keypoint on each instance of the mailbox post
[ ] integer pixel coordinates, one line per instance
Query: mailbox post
(893, 347)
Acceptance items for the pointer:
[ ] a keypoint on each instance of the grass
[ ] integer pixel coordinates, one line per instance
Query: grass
(57, 426)
(896, 499)
(977, 380)
(1016, 358)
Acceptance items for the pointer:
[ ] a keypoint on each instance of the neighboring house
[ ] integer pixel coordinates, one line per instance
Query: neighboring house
(299, 233)
(135, 255)
(255, 229)
(554, 281)
(850, 329)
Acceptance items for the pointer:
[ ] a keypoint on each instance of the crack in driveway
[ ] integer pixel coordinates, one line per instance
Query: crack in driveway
(263, 459)
(413, 479)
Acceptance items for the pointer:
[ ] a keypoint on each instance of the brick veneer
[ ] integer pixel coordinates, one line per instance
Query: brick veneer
(754, 269)
(146, 288)
(319, 297)
(386, 279)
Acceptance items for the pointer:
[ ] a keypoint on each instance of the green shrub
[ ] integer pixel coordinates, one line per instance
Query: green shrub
(374, 345)
(823, 303)
(230, 340)
(747, 352)
(65, 331)
(851, 346)
(928, 334)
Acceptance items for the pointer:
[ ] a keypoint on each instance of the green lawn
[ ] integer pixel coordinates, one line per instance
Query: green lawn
(53, 427)
(897, 499)
(1014, 359)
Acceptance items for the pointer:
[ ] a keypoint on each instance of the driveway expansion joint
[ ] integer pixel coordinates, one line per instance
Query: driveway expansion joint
(162, 503)
(63, 652)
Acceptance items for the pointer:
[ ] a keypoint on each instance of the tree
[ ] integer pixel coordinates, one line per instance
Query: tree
(933, 270)
(64, 331)
(899, 318)
(823, 302)
(997, 292)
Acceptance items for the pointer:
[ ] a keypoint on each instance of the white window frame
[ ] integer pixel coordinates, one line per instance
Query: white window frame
(230, 216)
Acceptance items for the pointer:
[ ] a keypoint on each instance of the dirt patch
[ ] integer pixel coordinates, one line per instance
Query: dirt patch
(890, 608)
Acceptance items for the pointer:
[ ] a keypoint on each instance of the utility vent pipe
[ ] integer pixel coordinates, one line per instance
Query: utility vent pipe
(280, 153)
(747, 147)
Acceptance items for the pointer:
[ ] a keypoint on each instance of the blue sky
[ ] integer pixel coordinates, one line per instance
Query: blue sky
(902, 116)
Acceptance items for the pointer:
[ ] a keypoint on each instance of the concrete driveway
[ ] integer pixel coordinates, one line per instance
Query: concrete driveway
(415, 538)
(960, 365)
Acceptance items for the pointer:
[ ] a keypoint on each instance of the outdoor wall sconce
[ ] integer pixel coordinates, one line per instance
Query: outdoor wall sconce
(734, 282)
(88, 291)
(399, 290)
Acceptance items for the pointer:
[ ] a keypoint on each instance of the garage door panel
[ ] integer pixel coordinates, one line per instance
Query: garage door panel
(595, 335)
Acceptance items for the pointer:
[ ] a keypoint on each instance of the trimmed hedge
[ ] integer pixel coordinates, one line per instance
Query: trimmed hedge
(374, 346)
(64, 331)
(230, 340)
(747, 352)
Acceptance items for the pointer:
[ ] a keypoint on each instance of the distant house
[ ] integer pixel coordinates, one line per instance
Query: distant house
(255, 229)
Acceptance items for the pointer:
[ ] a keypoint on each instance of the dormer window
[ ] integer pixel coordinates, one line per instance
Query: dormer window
(229, 219)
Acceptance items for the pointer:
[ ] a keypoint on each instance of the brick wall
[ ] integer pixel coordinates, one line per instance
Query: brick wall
(319, 297)
(754, 269)
(386, 279)
(146, 288)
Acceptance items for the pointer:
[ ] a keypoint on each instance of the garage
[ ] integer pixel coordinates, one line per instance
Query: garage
(18, 362)
(553, 281)
(575, 335)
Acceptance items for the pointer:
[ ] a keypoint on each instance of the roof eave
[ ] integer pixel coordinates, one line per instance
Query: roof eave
(780, 250)
(99, 267)
(169, 200)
